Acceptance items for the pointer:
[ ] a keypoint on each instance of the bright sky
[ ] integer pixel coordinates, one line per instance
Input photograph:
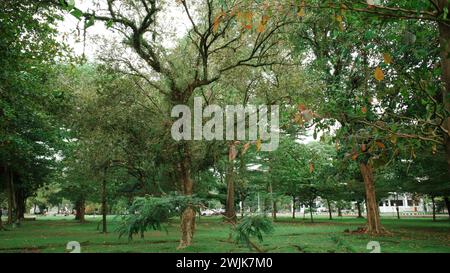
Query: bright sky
(173, 20)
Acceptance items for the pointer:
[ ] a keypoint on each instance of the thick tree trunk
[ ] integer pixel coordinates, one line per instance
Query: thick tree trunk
(11, 196)
(188, 216)
(104, 206)
(358, 206)
(20, 204)
(447, 204)
(80, 207)
(339, 212)
(330, 213)
(373, 215)
(230, 211)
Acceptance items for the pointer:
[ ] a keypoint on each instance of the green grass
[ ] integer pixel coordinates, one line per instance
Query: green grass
(51, 234)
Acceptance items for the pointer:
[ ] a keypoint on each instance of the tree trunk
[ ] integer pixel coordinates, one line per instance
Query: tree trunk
(80, 207)
(311, 212)
(20, 204)
(444, 38)
(447, 204)
(329, 210)
(230, 211)
(396, 207)
(358, 206)
(274, 210)
(104, 205)
(339, 212)
(188, 216)
(11, 196)
(293, 207)
(1, 222)
(373, 215)
(434, 208)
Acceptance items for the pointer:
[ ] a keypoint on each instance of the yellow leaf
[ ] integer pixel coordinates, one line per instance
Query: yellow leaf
(394, 139)
(261, 27)
(379, 74)
(216, 23)
(299, 119)
(311, 167)
(258, 145)
(387, 58)
(216, 26)
(301, 12)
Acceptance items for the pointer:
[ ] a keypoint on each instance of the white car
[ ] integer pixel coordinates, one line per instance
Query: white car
(212, 212)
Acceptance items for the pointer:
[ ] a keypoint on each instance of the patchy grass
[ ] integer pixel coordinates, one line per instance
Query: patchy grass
(51, 234)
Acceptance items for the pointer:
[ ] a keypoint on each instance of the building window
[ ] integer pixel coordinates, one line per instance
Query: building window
(399, 203)
(410, 203)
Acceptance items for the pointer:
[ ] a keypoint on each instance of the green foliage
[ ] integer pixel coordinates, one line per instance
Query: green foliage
(151, 213)
(145, 213)
(252, 227)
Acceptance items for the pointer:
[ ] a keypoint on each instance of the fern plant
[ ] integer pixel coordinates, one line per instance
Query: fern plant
(253, 227)
(151, 213)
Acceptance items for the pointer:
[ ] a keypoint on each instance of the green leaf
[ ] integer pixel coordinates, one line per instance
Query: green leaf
(90, 22)
(109, 24)
(77, 13)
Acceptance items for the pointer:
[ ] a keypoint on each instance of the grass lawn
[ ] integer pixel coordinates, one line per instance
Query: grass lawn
(51, 234)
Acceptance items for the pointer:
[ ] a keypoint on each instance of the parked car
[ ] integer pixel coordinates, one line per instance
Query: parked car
(212, 212)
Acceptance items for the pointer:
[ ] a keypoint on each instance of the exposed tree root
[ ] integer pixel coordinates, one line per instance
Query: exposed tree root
(364, 230)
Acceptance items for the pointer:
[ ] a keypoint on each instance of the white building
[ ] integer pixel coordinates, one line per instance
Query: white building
(405, 203)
